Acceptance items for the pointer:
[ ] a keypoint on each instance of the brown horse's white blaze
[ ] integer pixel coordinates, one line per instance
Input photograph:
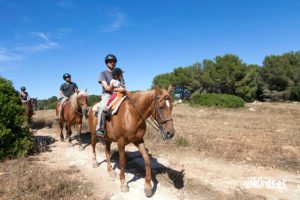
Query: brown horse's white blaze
(129, 126)
(73, 112)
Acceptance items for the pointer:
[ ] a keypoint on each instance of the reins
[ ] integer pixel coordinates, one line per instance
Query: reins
(157, 124)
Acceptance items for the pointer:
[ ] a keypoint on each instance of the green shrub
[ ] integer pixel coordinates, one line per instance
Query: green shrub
(93, 99)
(48, 103)
(217, 100)
(295, 93)
(182, 141)
(51, 105)
(14, 139)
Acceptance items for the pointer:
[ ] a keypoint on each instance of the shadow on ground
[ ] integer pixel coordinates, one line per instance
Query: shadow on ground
(160, 173)
(41, 144)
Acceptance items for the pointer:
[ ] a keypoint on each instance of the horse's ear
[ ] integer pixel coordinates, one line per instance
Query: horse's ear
(170, 89)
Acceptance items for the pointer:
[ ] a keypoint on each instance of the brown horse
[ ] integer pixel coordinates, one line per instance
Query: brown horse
(30, 106)
(72, 113)
(129, 126)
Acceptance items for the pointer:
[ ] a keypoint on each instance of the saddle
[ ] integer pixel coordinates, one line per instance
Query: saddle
(96, 107)
(62, 108)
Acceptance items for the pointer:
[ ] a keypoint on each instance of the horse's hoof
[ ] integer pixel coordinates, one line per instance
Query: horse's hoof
(112, 174)
(62, 139)
(95, 165)
(124, 188)
(70, 145)
(148, 192)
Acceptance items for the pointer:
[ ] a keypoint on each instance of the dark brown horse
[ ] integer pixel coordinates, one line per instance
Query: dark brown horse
(129, 126)
(72, 113)
(30, 106)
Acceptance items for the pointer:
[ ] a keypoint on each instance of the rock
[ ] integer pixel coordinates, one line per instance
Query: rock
(251, 109)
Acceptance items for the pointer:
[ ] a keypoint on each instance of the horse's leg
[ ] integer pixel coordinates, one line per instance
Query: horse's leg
(93, 140)
(143, 151)
(79, 126)
(110, 170)
(69, 133)
(95, 163)
(61, 125)
(122, 161)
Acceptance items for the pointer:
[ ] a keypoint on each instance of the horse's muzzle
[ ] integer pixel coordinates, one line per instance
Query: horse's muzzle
(168, 134)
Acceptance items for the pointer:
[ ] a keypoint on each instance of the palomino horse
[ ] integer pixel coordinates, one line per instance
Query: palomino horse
(129, 126)
(72, 113)
(30, 106)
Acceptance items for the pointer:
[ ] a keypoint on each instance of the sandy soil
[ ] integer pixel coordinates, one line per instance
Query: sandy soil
(189, 172)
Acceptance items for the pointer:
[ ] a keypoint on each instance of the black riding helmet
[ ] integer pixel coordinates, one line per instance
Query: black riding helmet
(66, 75)
(110, 57)
(117, 72)
(23, 88)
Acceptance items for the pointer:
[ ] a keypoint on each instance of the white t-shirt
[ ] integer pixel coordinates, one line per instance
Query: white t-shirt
(116, 83)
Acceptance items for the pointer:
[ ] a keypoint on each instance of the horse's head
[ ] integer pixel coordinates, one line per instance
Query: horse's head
(162, 112)
(82, 102)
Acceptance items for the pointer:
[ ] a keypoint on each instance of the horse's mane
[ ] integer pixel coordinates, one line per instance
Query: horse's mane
(144, 98)
(73, 98)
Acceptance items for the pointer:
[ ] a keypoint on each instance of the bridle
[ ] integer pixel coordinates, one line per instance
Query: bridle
(159, 121)
(158, 114)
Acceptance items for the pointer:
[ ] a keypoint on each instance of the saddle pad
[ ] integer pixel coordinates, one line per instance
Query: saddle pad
(114, 111)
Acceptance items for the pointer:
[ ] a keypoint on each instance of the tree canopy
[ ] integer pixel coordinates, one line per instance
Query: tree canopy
(278, 79)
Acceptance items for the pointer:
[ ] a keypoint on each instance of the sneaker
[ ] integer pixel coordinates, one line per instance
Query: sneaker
(100, 133)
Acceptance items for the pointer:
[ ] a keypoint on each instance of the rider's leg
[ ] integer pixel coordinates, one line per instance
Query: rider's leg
(104, 100)
(109, 103)
(61, 106)
(116, 100)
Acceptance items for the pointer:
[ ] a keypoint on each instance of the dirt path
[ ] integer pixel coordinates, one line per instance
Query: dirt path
(176, 175)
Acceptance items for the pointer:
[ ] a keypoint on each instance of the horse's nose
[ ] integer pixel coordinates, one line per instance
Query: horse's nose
(169, 134)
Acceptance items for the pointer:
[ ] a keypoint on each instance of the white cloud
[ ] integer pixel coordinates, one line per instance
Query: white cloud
(7, 55)
(19, 52)
(60, 33)
(118, 22)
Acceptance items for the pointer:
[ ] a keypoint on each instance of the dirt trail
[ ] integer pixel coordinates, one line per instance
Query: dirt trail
(177, 175)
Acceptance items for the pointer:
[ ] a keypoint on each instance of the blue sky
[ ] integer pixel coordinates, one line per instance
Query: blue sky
(42, 39)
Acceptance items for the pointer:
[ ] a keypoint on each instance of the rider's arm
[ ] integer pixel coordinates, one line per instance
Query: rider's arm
(75, 88)
(119, 89)
(107, 88)
(62, 94)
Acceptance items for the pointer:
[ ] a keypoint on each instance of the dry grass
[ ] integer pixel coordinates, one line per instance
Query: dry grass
(268, 136)
(24, 180)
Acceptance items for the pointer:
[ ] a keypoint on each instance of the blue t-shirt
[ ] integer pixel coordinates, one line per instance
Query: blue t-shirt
(68, 88)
